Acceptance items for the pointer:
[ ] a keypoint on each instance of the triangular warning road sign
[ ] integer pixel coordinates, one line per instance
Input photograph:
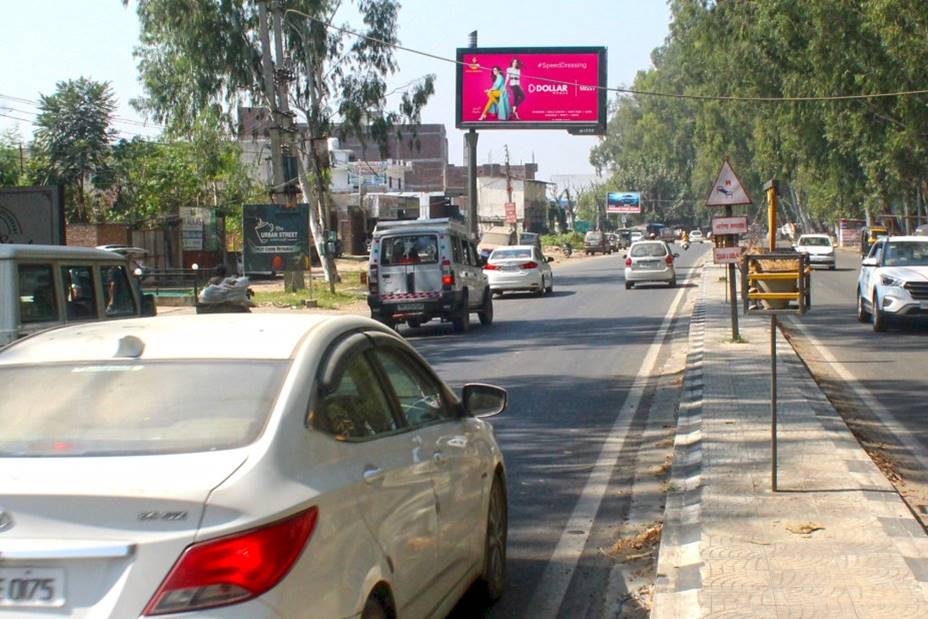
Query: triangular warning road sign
(727, 190)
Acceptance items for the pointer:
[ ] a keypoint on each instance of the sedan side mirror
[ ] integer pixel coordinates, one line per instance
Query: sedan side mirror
(483, 400)
(868, 262)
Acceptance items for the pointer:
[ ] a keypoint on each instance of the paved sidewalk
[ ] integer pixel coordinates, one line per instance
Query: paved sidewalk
(733, 548)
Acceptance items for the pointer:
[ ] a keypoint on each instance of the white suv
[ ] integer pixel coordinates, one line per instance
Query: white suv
(893, 280)
(425, 269)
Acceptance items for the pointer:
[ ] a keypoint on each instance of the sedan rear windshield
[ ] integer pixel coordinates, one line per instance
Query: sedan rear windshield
(138, 408)
(815, 241)
(409, 249)
(649, 250)
(905, 254)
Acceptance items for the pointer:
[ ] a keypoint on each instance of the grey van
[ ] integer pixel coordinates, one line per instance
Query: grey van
(43, 286)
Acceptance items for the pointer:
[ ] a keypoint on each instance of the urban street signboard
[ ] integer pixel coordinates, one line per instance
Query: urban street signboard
(511, 217)
(32, 215)
(532, 88)
(276, 237)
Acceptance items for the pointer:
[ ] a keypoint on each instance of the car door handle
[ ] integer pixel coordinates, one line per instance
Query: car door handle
(372, 474)
(439, 458)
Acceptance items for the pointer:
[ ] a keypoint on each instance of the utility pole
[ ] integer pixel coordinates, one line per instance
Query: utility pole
(267, 73)
(515, 224)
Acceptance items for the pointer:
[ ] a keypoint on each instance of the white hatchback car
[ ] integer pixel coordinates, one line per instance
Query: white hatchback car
(519, 268)
(893, 280)
(242, 466)
(819, 248)
(696, 236)
(650, 261)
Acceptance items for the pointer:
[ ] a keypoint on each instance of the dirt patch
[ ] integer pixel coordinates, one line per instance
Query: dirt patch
(642, 543)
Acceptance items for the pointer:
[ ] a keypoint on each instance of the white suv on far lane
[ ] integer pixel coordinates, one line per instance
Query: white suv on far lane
(893, 280)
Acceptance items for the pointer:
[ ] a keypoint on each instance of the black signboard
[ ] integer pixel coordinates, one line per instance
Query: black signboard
(276, 237)
(32, 215)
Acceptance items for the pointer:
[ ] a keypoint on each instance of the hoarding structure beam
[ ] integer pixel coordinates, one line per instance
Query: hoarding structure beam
(471, 140)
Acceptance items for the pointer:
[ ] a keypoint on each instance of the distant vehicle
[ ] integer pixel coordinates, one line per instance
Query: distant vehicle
(496, 236)
(650, 261)
(517, 269)
(625, 237)
(424, 269)
(922, 230)
(613, 240)
(893, 281)
(819, 248)
(595, 242)
(696, 236)
(868, 236)
(258, 466)
(635, 236)
(530, 238)
(44, 286)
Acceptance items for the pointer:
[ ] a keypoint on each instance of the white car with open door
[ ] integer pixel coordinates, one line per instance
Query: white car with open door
(425, 269)
(242, 466)
(521, 268)
(893, 280)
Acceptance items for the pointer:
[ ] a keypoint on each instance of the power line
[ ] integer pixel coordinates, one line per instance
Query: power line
(35, 114)
(627, 91)
(117, 119)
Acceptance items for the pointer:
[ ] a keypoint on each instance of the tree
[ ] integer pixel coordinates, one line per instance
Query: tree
(10, 163)
(195, 55)
(73, 137)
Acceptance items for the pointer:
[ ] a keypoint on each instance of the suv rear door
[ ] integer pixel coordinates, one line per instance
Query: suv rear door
(409, 264)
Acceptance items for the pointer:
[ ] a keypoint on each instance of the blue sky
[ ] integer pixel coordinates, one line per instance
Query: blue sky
(58, 39)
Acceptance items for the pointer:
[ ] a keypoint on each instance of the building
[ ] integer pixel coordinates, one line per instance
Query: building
(528, 196)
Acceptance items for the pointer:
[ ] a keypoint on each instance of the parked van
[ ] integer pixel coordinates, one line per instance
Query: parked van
(42, 286)
(425, 269)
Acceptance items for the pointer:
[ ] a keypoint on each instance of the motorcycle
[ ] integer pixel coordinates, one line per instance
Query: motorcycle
(686, 245)
(567, 250)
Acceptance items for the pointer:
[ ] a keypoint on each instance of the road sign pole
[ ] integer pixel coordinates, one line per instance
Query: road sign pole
(732, 294)
(771, 188)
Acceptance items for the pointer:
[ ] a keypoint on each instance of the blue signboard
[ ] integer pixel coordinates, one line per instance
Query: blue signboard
(627, 202)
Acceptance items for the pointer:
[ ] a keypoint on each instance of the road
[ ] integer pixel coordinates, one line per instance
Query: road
(569, 361)
(877, 380)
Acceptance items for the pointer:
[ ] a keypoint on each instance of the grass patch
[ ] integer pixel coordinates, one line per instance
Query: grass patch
(736, 340)
(347, 291)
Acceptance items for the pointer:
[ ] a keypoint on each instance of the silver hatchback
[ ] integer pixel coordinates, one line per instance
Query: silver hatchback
(650, 261)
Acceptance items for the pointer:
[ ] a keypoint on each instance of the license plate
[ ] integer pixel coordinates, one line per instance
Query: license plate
(31, 586)
(410, 307)
(648, 264)
(509, 268)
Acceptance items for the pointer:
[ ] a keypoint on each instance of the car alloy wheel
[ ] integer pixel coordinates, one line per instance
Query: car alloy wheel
(494, 553)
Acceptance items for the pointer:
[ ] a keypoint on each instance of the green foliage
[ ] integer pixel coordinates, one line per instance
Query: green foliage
(72, 139)
(10, 173)
(836, 158)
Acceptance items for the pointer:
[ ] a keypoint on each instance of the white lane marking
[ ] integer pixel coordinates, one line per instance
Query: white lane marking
(550, 591)
(892, 425)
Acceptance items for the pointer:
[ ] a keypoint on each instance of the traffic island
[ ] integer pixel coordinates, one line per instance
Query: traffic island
(835, 540)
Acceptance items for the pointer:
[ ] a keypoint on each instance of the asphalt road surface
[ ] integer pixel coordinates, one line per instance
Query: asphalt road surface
(877, 380)
(568, 360)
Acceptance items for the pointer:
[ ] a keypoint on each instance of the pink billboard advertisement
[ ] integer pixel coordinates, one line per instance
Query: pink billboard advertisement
(532, 88)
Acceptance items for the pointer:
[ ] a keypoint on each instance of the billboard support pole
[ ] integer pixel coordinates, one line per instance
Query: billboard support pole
(471, 139)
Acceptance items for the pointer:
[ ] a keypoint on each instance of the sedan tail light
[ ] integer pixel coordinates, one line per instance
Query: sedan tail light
(628, 262)
(669, 260)
(490, 267)
(233, 569)
(529, 265)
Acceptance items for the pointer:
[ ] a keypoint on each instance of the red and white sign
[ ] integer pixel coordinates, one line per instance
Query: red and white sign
(729, 225)
(727, 190)
(726, 255)
(510, 212)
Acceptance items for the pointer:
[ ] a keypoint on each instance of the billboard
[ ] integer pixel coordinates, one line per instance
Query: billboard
(32, 215)
(627, 202)
(276, 237)
(532, 88)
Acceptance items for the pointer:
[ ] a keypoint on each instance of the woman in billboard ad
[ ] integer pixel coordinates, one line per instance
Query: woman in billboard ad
(514, 79)
(497, 97)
